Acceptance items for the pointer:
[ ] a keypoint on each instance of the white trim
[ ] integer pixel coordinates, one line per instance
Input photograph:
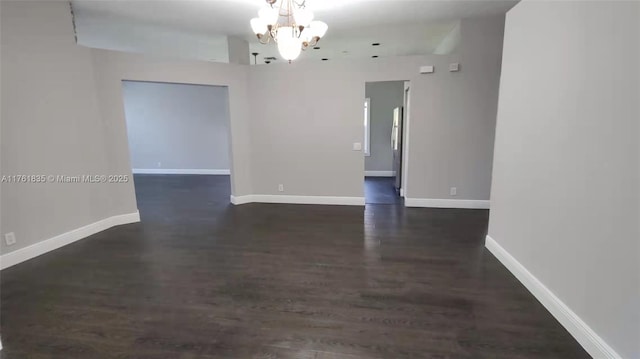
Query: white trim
(587, 337)
(241, 199)
(180, 171)
(322, 200)
(48, 245)
(405, 139)
(380, 173)
(367, 127)
(446, 203)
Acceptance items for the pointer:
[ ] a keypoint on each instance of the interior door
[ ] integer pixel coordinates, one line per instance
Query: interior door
(396, 146)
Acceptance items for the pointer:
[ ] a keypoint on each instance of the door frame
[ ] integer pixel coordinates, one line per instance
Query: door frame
(404, 161)
(406, 110)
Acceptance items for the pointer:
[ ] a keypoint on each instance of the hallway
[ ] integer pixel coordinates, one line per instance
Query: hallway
(380, 190)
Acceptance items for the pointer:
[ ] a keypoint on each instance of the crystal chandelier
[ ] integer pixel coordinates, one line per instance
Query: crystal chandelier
(289, 24)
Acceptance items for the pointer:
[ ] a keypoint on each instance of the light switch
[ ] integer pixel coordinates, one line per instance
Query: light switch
(357, 146)
(426, 69)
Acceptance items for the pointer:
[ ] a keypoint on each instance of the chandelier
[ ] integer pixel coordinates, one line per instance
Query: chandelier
(289, 23)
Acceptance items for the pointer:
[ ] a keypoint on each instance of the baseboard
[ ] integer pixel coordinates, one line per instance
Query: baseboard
(48, 245)
(379, 173)
(323, 200)
(588, 338)
(241, 199)
(179, 171)
(446, 203)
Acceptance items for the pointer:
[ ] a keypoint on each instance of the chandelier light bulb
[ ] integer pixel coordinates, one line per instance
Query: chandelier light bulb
(289, 45)
(286, 33)
(289, 50)
(258, 26)
(303, 17)
(318, 28)
(269, 15)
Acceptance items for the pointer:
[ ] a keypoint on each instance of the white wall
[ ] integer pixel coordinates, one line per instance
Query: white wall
(111, 67)
(239, 52)
(307, 143)
(449, 43)
(130, 35)
(51, 125)
(177, 126)
(565, 194)
(384, 97)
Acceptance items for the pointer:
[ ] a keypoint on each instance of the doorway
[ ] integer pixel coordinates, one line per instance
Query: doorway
(384, 116)
(179, 144)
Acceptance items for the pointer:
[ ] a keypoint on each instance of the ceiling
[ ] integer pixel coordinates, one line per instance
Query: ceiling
(198, 29)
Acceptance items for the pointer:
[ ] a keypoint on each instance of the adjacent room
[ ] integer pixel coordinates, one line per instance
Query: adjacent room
(319, 179)
(178, 139)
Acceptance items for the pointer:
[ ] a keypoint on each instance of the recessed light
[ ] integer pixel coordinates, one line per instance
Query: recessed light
(375, 44)
(316, 48)
(374, 56)
(325, 59)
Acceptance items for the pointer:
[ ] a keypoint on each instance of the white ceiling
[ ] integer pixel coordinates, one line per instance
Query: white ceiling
(198, 29)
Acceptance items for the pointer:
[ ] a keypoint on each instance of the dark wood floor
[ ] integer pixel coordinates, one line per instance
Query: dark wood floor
(200, 278)
(381, 190)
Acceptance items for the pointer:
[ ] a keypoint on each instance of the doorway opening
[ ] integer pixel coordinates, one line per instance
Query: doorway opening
(385, 112)
(179, 144)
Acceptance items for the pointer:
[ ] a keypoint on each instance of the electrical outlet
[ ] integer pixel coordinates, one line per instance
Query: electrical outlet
(280, 187)
(453, 191)
(10, 238)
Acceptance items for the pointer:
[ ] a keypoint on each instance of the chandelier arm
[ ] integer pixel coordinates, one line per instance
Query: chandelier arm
(273, 33)
(264, 42)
